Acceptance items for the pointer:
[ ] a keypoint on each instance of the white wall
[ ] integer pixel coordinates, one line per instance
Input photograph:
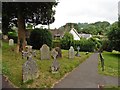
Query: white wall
(75, 36)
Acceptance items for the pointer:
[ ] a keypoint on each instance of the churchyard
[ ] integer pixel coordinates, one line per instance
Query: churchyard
(13, 65)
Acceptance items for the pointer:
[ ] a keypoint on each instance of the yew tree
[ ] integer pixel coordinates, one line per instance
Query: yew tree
(21, 13)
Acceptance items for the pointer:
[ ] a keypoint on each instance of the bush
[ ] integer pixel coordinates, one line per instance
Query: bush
(56, 43)
(67, 41)
(13, 35)
(85, 45)
(39, 37)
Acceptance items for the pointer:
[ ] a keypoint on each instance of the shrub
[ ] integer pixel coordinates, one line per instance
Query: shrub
(56, 43)
(39, 37)
(13, 35)
(67, 41)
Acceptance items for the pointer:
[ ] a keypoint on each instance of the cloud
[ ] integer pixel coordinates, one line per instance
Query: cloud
(85, 11)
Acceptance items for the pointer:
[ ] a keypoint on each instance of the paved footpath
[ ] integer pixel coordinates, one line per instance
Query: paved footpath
(86, 76)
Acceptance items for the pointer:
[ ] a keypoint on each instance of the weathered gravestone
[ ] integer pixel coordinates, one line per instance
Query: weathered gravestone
(78, 54)
(28, 48)
(58, 49)
(55, 64)
(45, 52)
(24, 54)
(11, 42)
(29, 70)
(34, 53)
(71, 54)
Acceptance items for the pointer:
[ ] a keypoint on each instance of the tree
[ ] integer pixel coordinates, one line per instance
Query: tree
(67, 41)
(19, 13)
(114, 36)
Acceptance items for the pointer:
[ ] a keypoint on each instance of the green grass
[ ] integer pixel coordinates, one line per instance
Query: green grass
(111, 64)
(12, 67)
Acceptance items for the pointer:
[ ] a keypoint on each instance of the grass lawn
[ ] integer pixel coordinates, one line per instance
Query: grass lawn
(111, 63)
(12, 67)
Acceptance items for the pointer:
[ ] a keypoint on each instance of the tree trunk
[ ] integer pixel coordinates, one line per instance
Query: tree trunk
(21, 33)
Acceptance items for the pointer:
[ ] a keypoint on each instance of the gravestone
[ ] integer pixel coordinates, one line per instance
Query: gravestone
(24, 54)
(55, 64)
(78, 54)
(34, 53)
(5, 37)
(71, 54)
(58, 49)
(45, 52)
(11, 42)
(29, 70)
(28, 48)
(54, 53)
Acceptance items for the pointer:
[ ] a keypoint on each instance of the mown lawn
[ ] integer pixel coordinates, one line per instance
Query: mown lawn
(12, 67)
(111, 60)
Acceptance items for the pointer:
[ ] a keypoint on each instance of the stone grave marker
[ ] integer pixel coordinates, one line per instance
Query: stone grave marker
(29, 70)
(78, 54)
(34, 53)
(11, 42)
(58, 49)
(28, 48)
(55, 64)
(45, 52)
(24, 54)
(54, 53)
(71, 53)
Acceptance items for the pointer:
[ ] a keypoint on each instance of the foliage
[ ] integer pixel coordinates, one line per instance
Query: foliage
(85, 45)
(13, 35)
(111, 63)
(39, 37)
(32, 12)
(56, 43)
(67, 41)
(114, 36)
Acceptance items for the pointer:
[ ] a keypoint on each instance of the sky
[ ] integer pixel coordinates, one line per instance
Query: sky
(83, 11)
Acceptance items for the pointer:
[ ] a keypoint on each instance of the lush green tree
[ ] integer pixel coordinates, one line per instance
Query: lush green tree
(19, 13)
(39, 37)
(67, 41)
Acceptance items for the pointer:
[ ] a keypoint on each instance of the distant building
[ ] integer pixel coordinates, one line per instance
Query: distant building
(57, 33)
(75, 34)
(86, 36)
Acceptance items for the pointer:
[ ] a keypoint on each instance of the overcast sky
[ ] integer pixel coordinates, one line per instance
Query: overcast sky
(85, 11)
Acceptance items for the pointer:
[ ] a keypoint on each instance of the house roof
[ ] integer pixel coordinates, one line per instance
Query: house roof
(57, 32)
(85, 35)
(76, 33)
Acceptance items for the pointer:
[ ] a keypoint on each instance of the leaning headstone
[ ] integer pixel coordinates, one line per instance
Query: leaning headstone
(71, 53)
(11, 42)
(55, 64)
(58, 49)
(45, 52)
(24, 54)
(54, 53)
(78, 54)
(5, 37)
(29, 70)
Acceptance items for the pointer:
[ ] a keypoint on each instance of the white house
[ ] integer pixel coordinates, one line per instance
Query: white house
(75, 34)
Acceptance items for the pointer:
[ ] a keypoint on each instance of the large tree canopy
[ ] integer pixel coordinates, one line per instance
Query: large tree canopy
(20, 13)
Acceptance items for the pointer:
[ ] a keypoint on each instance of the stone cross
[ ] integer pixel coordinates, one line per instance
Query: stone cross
(24, 54)
(11, 42)
(29, 70)
(45, 52)
(78, 54)
(71, 54)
